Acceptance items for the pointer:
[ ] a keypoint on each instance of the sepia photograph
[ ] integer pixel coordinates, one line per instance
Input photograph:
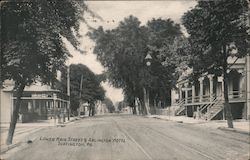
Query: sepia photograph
(125, 80)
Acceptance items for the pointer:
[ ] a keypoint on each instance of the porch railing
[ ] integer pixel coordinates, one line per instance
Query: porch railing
(232, 95)
(181, 107)
(236, 95)
(207, 105)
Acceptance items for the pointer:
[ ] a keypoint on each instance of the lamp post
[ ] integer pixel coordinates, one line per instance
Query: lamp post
(148, 59)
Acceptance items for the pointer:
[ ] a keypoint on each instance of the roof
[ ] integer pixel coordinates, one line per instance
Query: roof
(32, 88)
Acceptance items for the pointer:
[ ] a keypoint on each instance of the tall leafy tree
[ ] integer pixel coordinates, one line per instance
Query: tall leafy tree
(123, 50)
(85, 86)
(31, 42)
(109, 104)
(214, 27)
(169, 48)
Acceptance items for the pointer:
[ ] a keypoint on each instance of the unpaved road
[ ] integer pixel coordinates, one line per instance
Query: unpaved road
(133, 138)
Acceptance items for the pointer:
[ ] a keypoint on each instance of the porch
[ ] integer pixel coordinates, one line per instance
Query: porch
(42, 106)
(204, 98)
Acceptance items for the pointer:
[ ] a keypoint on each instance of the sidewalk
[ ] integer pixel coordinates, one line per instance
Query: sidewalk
(242, 126)
(23, 130)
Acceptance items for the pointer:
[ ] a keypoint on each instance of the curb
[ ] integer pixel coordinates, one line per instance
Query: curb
(220, 128)
(233, 130)
(177, 121)
(12, 146)
(9, 147)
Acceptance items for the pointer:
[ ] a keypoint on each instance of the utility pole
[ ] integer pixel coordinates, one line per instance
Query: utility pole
(68, 90)
(80, 95)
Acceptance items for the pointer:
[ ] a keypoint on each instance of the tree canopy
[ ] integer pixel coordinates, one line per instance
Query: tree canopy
(31, 42)
(109, 104)
(85, 86)
(217, 28)
(123, 50)
(31, 37)
(213, 25)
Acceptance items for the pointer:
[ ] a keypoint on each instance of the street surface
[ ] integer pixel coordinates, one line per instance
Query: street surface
(127, 137)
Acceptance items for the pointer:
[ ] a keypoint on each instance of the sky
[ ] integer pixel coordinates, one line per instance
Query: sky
(112, 12)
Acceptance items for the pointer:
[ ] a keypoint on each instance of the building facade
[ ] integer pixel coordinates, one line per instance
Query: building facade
(39, 102)
(204, 98)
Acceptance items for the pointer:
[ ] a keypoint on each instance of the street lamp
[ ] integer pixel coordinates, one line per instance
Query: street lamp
(148, 59)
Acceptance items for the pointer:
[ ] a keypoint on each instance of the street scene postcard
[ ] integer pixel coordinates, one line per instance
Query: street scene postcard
(125, 80)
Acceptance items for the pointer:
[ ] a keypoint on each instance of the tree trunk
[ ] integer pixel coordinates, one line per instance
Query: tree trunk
(14, 117)
(93, 110)
(84, 110)
(90, 110)
(146, 101)
(155, 106)
(227, 106)
(139, 107)
(134, 110)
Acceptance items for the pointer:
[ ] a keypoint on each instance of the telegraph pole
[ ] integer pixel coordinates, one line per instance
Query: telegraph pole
(80, 96)
(68, 90)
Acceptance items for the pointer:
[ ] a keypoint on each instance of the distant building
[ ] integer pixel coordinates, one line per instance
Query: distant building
(204, 98)
(83, 109)
(39, 102)
(101, 108)
(127, 110)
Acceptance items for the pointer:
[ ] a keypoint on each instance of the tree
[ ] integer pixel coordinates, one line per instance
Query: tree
(109, 104)
(84, 86)
(169, 50)
(123, 50)
(31, 42)
(121, 105)
(215, 28)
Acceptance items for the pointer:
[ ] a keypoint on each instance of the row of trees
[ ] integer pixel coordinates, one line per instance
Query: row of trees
(123, 50)
(215, 28)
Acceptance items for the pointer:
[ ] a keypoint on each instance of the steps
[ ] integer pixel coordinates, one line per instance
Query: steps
(213, 110)
(181, 109)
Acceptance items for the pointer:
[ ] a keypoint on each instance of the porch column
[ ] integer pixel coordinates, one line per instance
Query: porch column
(193, 93)
(248, 84)
(241, 82)
(220, 91)
(54, 108)
(211, 85)
(186, 92)
(40, 107)
(33, 105)
(222, 88)
(180, 92)
(201, 88)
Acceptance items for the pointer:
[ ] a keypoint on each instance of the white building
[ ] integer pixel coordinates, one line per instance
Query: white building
(205, 96)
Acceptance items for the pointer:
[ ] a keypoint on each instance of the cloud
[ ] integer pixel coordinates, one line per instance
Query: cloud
(144, 10)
